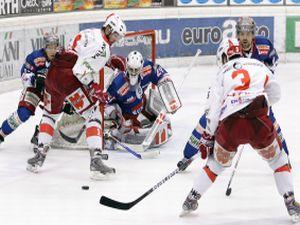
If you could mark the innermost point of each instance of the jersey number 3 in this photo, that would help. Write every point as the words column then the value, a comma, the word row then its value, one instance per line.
column 245, row 79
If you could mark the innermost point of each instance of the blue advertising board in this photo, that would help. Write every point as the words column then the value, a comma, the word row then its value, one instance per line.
column 182, row 37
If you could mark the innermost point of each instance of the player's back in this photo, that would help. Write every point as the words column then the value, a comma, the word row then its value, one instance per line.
column 243, row 80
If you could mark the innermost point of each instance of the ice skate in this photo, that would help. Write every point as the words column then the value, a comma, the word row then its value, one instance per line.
column 37, row 161
column 292, row 206
column 98, row 169
column 183, row 164
column 191, row 203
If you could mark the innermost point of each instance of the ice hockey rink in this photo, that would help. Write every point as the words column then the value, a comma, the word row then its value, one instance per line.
column 54, row 196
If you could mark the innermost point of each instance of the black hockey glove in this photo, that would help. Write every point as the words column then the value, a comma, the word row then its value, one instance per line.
column 40, row 79
column 68, row 109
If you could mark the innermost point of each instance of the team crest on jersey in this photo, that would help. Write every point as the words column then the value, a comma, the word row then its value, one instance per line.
column 263, row 49
column 124, row 89
column 146, row 71
column 139, row 92
column 39, row 61
column 131, row 99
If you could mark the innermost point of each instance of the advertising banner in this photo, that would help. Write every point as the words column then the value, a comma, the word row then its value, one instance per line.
column 9, row 7
column 292, row 34
column 230, row 2
column 182, row 37
column 256, row 2
column 11, row 54
column 115, row 4
column 36, row 6
column 201, row 2
column 72, row 5
column 292, row 2
column 16, row 45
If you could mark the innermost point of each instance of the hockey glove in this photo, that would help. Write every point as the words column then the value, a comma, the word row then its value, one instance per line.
column 40, row 79
column 206, row 145
column 97, row 93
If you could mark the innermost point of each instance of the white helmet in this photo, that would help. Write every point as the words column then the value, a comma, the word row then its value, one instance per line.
column 134, row 66
column 116, row 25
column 228, row 49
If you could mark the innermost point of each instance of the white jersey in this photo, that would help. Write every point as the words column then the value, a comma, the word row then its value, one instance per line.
column 237, row 84
column 93, row 51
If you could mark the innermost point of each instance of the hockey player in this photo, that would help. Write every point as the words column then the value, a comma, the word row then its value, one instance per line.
column 33, row 74
column 256, row 47
column 129, row 100
column 260, row 48
column 237, row 113
column 72, row 77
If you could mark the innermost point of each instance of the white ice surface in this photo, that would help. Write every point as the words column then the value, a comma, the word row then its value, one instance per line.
column 54, row 196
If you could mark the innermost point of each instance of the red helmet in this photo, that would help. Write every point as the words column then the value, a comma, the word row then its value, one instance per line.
column 228, row 49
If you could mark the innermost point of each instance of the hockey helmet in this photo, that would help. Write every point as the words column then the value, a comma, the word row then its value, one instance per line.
column 50, row 39
column 117, row 27
column 245, row 24
column 134, row 66
column 228, row 49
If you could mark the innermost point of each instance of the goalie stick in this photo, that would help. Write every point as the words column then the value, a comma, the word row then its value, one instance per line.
column 73, row 140
column 162, row 114
column 125, row 206
column 142, row 155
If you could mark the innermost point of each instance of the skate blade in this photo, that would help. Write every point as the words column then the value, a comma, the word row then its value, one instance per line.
column 96, row 175
column 295, row 218
column 32, row 169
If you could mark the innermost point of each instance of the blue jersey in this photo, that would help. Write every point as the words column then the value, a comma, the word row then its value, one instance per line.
column 264, row 51
column 130, row 98
column 35, row 61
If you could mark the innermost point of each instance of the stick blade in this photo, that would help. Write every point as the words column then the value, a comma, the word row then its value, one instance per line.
column 67, row 138
column 115, row 204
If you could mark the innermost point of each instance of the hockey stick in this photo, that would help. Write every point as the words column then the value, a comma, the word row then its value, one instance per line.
column 229, row 189
column 125, row 206
column 71, row 139
column 141, row 155
column 137, row 155
column 162, row 114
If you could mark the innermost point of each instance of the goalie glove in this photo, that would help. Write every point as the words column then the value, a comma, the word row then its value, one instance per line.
column 206, row 145
column 97, row 93
column 169, row 96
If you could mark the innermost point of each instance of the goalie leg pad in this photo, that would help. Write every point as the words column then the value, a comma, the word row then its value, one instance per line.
column 161, row 136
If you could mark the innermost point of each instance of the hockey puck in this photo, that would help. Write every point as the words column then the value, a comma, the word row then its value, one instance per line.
column 85, row 187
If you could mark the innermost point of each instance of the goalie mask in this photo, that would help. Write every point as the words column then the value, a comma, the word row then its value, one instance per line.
column 228, row 49
column 134, row 66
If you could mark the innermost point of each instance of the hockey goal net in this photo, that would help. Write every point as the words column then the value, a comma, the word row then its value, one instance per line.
column 71, row 125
